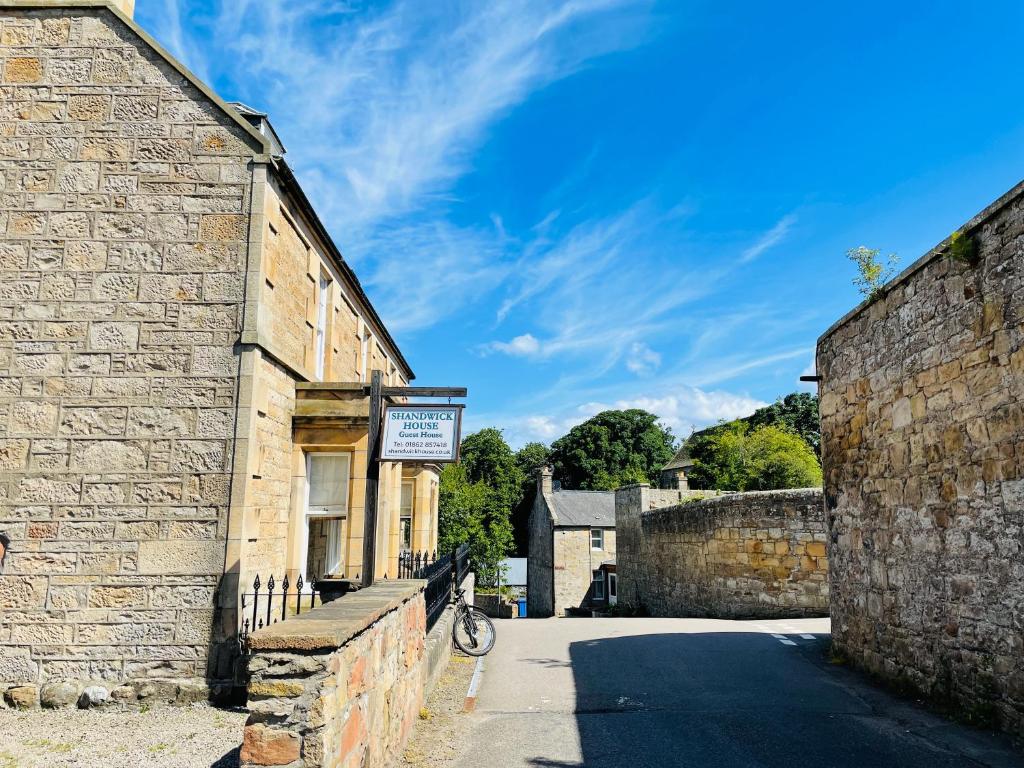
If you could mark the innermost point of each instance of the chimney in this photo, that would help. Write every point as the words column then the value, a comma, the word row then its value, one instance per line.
column 544, row 476
column 127, row 7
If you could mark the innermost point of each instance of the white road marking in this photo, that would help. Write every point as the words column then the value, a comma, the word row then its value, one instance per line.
column 808, row 637
column 474, row 684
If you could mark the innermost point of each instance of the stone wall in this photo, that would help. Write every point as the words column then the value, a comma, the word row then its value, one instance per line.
column 540, row 564
column 123, row 242
column 739, row 555
column 341, row 685
column 922, row 418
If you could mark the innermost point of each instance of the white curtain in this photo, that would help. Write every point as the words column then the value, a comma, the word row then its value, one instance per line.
column 333, row 564
column 328, row 481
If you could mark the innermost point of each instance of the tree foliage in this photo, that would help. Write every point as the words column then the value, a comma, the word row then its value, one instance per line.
column 528, row 458
column 797, row 412
column 476, row 500
column 737, row 457
column 612, row 449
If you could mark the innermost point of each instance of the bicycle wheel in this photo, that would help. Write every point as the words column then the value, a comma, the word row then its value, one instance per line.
column 473, row 632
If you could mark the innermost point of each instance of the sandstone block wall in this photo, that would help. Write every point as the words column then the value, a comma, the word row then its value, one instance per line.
column 922, row 418
column 123, row 237
column 575, row 563
column 739, row 555
column 341, row 686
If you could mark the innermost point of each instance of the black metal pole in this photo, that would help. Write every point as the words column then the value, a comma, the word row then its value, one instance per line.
column 372, row 480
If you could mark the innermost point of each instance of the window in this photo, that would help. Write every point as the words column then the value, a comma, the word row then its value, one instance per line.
column 596, row 538
column 405, row 525
column 327, row 482
column 321, row 327
column 612, row 587
column 598, row 585
column 364, row 356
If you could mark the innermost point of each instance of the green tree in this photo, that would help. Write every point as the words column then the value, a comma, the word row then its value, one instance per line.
column 476, row 500
column 797, row 412
column 528, row 458
column 488, row 459
column 611, row 449
column 735, row 457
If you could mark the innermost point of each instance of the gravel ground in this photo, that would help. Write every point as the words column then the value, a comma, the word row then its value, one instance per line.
column 439, row 736
column 199, row 736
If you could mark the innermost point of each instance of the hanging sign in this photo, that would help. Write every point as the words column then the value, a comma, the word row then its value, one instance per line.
column 421, row 433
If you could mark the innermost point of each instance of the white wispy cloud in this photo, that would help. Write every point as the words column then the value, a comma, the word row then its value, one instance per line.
column 521, row 346
column 383, row 109
column 390, row 105
column 642, row 360
column 688, row 409
column 769, row 239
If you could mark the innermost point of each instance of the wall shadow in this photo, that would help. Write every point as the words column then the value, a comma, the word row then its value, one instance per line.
column 737, row 700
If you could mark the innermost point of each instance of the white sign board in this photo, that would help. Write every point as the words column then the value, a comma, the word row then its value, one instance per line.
column 421, row 433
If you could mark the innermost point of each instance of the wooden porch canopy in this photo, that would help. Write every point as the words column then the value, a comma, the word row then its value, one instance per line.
column 355, row 404
column 347, row 403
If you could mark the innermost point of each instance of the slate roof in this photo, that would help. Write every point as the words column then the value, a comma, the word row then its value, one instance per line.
column 588, row 509
column 681, row 460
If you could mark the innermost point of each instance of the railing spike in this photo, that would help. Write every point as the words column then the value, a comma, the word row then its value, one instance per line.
column 284, row 598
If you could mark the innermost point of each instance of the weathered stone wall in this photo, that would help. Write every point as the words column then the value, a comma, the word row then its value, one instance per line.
column 341, row 685
column 922, row 417
column 540, row 563
column 123, row 241
column 438, row 645
column 739, row 555
column 575, row 563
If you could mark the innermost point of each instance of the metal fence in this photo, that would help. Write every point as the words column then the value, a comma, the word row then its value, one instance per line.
column 442, row 574
column 410, row 564
column 261, row 608
column 267, row 604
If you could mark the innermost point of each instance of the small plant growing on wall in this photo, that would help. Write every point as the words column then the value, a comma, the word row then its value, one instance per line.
column 963, row 248
column 872, row 273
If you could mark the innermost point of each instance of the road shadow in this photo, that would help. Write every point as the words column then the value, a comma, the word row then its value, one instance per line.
column 736, row 700
column 232, row 759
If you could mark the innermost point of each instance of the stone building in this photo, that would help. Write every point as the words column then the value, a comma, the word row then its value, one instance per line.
column 571, row 534
column 922, row 423
column 182, row 351
column 673, row 475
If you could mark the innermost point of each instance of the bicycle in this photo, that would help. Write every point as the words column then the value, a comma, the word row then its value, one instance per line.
column 473, row 631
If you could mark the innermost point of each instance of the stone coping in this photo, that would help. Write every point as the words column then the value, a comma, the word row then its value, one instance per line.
column 938, row 251
column 334, row 624
column 729, row 498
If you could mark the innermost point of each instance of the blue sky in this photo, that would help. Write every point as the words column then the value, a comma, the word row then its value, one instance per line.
column 570, row 205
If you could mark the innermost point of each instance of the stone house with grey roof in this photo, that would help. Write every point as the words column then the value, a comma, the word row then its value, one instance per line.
column 571, row 535
column 184, row 358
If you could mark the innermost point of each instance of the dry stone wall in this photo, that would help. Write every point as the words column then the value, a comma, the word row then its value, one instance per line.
column 739, row 555
column 922, row 417
column 342, row 685
column 123, row 236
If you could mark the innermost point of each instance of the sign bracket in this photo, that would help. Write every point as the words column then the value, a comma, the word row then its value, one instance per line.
column 374, row 453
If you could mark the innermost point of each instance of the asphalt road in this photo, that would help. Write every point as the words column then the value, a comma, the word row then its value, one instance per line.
column 695, row 692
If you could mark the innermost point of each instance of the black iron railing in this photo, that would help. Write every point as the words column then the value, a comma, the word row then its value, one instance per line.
column 442, row 575
column 268, row 604
column 410, row 564
column 265, row 606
